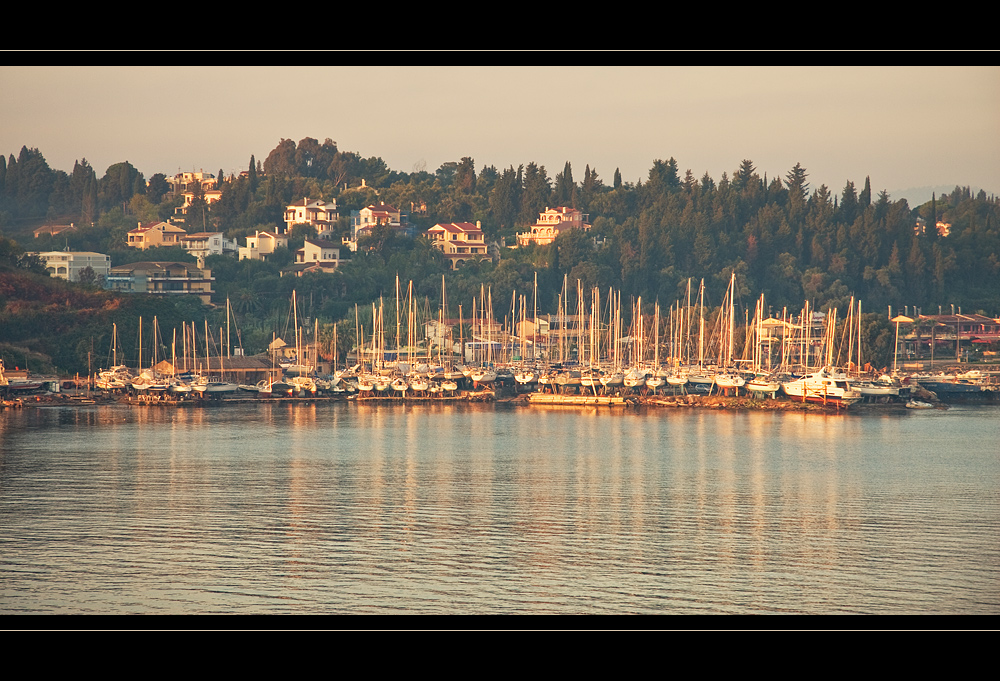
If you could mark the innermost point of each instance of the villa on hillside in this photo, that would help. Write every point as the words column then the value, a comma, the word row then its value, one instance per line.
column 68, row 264
column 155, row 234
column 163, row 279
column 552, row 223
column 368, row 218
column 459, row 241
column 261, row 245
column 322, row 215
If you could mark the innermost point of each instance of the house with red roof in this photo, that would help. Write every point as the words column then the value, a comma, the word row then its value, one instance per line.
column 459, row 241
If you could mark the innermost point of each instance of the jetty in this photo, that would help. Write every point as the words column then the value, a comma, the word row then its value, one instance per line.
column 579, row 400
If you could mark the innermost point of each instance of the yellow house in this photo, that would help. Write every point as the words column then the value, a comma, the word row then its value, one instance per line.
column 155, row 234
column 459, row 241
column 551, row 223
column 261, row 245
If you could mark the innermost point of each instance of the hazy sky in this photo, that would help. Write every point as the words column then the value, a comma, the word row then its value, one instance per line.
column 902, row 126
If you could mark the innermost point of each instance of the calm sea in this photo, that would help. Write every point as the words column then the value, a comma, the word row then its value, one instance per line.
column 465, row 509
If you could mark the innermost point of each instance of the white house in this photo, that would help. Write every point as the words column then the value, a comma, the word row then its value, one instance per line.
column 322, row 215
column 68, row 264
column 201, row 244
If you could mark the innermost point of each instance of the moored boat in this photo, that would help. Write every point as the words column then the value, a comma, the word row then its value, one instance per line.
column 822, row 387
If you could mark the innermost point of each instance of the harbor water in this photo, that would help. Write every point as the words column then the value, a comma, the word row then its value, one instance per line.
column 351, row 508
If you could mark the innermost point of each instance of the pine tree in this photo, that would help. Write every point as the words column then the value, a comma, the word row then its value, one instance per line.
column 618, row 179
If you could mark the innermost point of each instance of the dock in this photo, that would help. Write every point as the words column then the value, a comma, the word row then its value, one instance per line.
column 577, row 400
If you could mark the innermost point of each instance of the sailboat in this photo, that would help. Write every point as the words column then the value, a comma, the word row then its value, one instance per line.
column 727, row 378
column 209, row 387
column 763, row 383
column 118, row 377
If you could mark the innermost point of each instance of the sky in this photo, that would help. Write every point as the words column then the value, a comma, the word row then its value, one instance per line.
column 904, row 127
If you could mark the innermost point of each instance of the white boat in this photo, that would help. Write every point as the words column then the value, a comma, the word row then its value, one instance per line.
column 366, row 383
column 612, row 379
column 727, row 380
column 917, row 404
column 216, row 388
column 822, row 386
column 483, row 375
column 883, row 386
column 635, row 378
column 764, row 385
column 303, row 384
column 569, row 378
column 526, row 376
column 116, row 378
column 677, row 379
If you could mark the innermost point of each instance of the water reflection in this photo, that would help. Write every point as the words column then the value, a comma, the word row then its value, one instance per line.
column 319, row 507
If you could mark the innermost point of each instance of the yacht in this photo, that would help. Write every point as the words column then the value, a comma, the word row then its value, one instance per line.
column 822, row 386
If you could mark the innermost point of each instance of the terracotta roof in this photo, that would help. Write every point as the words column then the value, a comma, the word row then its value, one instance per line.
column 457, row 227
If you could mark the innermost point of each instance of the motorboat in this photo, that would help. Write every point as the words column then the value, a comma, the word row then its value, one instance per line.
column 822, row 386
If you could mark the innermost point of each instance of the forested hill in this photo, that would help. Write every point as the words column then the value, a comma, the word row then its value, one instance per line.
column 783, row 237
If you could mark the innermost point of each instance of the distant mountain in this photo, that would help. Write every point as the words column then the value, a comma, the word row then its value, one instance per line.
column 916, row 196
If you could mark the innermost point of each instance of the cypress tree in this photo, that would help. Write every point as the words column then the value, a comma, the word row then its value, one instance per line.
column 865, row 198
column 252, row 173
